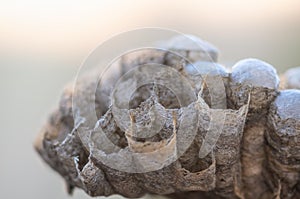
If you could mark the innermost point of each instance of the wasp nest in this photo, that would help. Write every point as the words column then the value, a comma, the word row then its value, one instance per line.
column 235, row 134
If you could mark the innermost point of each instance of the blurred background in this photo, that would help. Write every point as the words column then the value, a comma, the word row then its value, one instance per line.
column 42, row 45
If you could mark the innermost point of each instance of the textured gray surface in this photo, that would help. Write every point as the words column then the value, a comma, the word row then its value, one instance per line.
column 30, row 86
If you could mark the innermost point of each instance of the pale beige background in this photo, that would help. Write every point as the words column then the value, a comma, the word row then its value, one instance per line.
column 42, row 44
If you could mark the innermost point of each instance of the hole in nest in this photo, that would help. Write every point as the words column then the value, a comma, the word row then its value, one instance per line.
column 166, row 97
